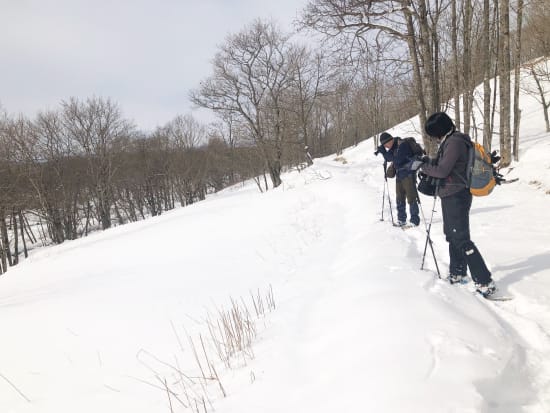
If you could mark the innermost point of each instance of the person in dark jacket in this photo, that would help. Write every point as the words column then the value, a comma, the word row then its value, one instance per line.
column 450, row 167
column 400, row 153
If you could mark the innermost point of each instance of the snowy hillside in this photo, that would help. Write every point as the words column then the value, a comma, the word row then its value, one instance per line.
column 97, row 324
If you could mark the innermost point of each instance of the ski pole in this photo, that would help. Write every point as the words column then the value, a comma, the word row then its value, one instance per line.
column 428, row 238
column 383, row 192
column 388, row 191
column 389, row 202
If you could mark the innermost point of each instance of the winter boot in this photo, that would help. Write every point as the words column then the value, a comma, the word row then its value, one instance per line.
column 401, row 213
column 415, row 218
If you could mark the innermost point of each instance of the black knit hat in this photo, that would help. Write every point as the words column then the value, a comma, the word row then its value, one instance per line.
column 439, row 124
column 385, row 137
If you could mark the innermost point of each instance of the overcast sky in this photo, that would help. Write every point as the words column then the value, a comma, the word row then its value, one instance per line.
column 144, row 54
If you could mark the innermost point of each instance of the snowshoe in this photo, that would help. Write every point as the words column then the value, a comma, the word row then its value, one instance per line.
column 487, row 290
column 458, row 279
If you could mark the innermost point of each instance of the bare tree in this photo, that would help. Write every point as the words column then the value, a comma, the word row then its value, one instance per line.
column 412, row 24
column 310, row 82
column 57, row 174
column 186, row 131
column 536, row 43
column 253, row 72
column 99, row 129
column 13, row 188
column 536, row 82
column 340, row 102
column 226, row 130
column 537, row 29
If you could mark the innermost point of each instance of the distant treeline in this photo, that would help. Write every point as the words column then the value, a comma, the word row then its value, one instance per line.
column 84, row 167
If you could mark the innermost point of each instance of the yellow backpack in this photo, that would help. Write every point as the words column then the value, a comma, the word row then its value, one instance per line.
column 481, row 172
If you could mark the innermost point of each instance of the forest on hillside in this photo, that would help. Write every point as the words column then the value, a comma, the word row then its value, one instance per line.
column 279, row 102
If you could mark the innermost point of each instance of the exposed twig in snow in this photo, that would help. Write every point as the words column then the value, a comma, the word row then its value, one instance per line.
column 15, row 388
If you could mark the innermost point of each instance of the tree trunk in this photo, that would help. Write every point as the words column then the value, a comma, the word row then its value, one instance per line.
column 265, row 182
column 88, row 217
column 504, row 83
column 274, row 168
column 103, row 210
column 517, row 122
column 3, row 264
column 28, row 229
column 22, row 223
column 496, row 32
column 545, row 104
column 467, row 95
column 437, row 90
column 487, row 129
column 6, row 252
column 15, row 238
column 517, row 68
column 417, row 78
column 456, row 78
column 426, row 54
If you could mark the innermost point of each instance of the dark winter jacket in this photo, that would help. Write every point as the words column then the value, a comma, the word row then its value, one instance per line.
column 400, row 154
column 450, row 164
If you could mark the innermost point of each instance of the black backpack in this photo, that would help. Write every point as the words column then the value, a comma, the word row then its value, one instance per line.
column 417, row 150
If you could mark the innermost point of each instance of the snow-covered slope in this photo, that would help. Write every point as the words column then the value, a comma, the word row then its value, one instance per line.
column 358, row 326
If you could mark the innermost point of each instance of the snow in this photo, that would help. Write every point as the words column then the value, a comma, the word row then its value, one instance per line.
column 357, row 325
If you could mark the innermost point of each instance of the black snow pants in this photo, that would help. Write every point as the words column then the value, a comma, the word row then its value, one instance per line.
column 456, row 226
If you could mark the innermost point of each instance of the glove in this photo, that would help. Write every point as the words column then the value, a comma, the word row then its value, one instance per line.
column 494, row 157
column 380, row 149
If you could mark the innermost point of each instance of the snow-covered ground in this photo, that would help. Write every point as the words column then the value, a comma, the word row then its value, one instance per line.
column 358, row 327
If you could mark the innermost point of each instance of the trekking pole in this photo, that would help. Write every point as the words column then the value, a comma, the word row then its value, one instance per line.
column 428, row 238
column 384, row 192
column 389, row 202
column 388, row 191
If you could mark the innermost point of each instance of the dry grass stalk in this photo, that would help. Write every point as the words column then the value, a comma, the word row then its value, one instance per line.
column 197, row 360
column 15, row 388
column 168, row 393
column 219, row 381
column 206, row 356
column 231, row 334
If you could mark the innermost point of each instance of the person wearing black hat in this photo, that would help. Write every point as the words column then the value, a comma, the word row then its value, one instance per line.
column 450, row 168
column 393, row 150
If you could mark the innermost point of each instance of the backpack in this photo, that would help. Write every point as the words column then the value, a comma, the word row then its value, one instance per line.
column 480, row 172
column 417, row 150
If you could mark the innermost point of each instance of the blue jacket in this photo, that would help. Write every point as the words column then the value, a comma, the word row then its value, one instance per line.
column 400, row 154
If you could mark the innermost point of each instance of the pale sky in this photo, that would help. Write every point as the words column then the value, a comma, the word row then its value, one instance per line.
column 144, row 54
